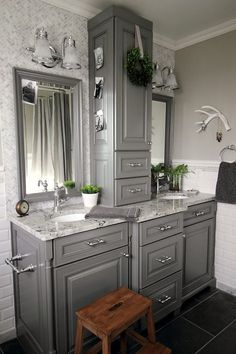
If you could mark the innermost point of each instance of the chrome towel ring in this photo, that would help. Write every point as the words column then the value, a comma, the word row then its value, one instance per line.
column 229, row 147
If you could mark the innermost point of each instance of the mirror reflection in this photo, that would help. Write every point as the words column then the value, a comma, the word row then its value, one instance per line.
column 49, row 122
column 48, row 139
column 158, row 132
column 161, row 127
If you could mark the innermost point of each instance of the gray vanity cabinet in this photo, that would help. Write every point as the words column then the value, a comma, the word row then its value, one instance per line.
column 199, row 247
column 69, row 273
column 78, row 284
column 120, row 151
column 133, row 111
column 157, row 261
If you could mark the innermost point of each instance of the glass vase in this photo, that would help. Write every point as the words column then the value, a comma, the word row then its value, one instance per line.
column 175, row 183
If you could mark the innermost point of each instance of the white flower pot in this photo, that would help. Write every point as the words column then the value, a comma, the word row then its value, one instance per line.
column 90, row 200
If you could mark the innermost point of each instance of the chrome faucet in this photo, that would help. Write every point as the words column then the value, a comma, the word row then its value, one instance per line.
column 44, row 184
column 58, row 200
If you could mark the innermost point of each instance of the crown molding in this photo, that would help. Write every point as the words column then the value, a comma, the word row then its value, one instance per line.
column 79, row 7
column 163, row 41
column 75, row 6
column 211, row 32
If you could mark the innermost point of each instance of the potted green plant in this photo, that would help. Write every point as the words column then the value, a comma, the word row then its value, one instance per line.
column 69, row 185
column 90, row 195
column 175, row 176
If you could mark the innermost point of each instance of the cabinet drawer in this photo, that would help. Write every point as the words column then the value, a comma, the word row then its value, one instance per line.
column 157, row 229
column 199, row 212
column 132, row 190
column 132, row 164
column 160, row 259
column 166, row 295
column 89, row 243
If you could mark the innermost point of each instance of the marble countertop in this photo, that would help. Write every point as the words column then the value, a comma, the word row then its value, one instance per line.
column 159, row 207
column 40, row 223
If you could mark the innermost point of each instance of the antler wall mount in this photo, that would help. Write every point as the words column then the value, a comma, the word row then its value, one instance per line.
column 212, row 113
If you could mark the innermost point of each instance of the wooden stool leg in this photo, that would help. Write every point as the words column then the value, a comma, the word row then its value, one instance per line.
column 123, row 343
column 79, row 337
column 106, row 345
column 150, row 326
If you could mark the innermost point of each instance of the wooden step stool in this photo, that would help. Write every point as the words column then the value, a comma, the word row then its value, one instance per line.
column 111, row 316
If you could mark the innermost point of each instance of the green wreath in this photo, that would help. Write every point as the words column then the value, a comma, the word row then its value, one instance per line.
column 139, row 69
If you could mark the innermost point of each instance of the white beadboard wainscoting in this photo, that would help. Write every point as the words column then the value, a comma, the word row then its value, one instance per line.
column 203, row 177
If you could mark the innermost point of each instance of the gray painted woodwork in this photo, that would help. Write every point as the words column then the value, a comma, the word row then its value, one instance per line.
column 76, row 247
column 80, row 283
column 200, row 212
column 34, row 294
column 132, row 190
column 67, row 275
column 133, row 111
column 166, row 295
column 160, row 259
column 157, row 229
column 199, row 248
column 76, row 84
column 126, row 107
column 128, row 164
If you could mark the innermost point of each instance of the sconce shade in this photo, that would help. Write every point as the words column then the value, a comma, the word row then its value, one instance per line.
column 70, row 56
column 42, row 52
column 171, row 82
column 158, row 80
column 45, row 54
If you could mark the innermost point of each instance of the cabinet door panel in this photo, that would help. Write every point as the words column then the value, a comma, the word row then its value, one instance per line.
column 160, row 259
column 79, row 283
column 199, row 255
column 133, row 109
column 166, row 295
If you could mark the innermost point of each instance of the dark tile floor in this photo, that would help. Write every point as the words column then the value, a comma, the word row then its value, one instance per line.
column 206, row 325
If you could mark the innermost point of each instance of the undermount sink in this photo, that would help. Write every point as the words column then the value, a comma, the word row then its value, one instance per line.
column 174, row 196
column 69, row 217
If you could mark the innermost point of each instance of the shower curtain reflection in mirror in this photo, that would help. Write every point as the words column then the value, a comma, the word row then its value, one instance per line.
column 48, row 139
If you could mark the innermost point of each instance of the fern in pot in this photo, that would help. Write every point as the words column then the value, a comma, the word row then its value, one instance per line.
column 90, row 195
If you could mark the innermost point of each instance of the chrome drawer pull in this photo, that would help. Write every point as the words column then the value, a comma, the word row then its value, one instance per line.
column 19, row 257
column 135, row 164
column 135, row 190
column 95, row 242
column 165, row 227
column 199, row 213
column 164, row 299
column 126, row 255
column 163, row 259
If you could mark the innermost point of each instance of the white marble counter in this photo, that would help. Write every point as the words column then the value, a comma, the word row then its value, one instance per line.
column 159, row 207
column 40, row 223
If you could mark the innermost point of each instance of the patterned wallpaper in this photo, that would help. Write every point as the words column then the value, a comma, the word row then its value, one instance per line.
column 19, row 20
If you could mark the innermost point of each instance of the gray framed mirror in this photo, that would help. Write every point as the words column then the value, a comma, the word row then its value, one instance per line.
column 161, row 129
column 49, row 118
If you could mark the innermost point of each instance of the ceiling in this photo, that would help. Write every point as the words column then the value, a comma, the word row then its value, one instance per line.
column 176, row 23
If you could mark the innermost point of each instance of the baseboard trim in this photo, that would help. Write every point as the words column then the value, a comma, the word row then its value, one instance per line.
column 226, row 288
column 8, row 335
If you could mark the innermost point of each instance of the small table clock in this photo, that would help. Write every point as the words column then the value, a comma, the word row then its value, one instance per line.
column 22, row 207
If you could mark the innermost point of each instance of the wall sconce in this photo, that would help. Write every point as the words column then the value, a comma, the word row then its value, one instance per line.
column 43, row 53
column 164, row 78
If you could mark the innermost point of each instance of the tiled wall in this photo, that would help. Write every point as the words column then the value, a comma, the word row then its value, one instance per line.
column 7, row 324
column 204, row 178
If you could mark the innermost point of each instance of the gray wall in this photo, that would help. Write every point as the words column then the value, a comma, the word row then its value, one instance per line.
column 207, row 76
